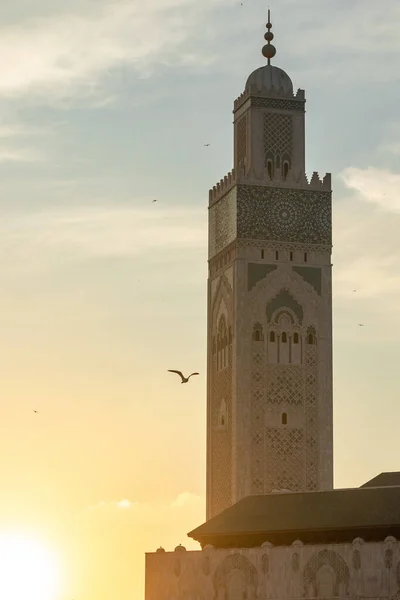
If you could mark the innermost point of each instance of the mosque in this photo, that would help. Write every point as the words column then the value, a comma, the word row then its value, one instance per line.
column 275, row 526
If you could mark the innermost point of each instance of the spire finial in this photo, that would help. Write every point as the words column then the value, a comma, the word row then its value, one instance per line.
column 269, row 50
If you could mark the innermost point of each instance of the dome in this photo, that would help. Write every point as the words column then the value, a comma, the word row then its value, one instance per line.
column 271, row 79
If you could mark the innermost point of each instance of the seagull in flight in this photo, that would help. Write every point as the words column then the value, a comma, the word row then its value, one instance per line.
column 35, row 411
column 361, row 324
column 207, row 144
column 184, row 379
column 155, row 200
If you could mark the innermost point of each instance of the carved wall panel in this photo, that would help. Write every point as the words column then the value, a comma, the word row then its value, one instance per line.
column 222, row 223
column 288, row 215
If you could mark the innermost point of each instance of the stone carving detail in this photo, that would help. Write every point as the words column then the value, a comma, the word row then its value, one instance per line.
column 356, row 560
column 331, row 559
column 205, row 567
column 222, row 223
column 285, row 451
column 295, row 562
column 236, row 564
column 257, row 418
column 388, row 560
column 242, row 140
column 278, row 135
column 311, row 394
column 277, row 103
column 285, row 384
column 288, row 215
column 264, row 564
column 221, row 395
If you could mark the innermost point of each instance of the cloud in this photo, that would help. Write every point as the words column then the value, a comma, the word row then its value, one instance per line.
column 59, row 56
column 366, row 225
column 378, row 186
column 19, row 155
column 52, row 237
column 184, row 499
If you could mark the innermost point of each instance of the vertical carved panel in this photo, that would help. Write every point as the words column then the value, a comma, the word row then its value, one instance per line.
column 241, row 140
column 220, row 402
column 278, row 138
column 257, row 411
column 312, row 438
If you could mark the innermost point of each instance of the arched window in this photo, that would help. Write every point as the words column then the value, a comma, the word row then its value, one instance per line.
column 222, row 344
column 305, row 257
column 222, row 421
column 284, row 419
column 284, row 337
column 291, row 256
column 296, row 338
column 310, row 339
column 272, row 336
column 262, row 253
column 269, row 168
column 258, row 335
column 285, row 169
column 276, row 255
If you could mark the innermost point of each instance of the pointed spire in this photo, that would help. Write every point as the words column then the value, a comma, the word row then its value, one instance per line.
column 269, row 50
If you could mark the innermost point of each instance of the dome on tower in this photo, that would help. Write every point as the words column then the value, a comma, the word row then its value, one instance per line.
column 270, row 79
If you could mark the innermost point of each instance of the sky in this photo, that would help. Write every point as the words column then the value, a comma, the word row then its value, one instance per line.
column 104, row 106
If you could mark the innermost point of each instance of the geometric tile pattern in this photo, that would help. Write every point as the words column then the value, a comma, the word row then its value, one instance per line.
column 278, row 135
column 287, row 215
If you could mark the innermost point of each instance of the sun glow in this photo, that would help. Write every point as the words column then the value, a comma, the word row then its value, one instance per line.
column 28, row 570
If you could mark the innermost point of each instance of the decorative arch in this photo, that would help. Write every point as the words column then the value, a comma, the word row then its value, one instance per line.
column 334, row 562
column 258, row 332
column 311, row 336
column 282, row 300
column 222, row 343
column 232, row 565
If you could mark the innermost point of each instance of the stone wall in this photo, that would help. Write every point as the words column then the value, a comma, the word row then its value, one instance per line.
column 359, row 569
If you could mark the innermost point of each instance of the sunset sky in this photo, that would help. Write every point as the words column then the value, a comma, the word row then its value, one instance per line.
column 106, row 105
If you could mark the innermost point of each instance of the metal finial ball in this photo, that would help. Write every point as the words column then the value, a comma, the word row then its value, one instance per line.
column 269, row 51
column 269, row 36
column 268, row 25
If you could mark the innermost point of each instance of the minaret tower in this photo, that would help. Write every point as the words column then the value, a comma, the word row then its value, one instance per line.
column 269, row 390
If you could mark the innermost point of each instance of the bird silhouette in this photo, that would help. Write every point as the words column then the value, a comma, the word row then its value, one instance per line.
column 207, row 144
column 361, row 324
column 36, row 411
column 155, row 200
column 184, row 379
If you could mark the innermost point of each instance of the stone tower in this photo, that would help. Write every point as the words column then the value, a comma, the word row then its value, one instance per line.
column 269, row 389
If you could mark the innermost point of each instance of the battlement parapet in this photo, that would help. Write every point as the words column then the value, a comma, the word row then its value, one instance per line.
column 290, row 180
column 223, row 186
column 270, row 94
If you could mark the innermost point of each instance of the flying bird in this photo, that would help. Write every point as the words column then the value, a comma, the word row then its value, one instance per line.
column 35, row 411
column 184, row 379
column 207, row 144
column 361, row 324
column 155, row 200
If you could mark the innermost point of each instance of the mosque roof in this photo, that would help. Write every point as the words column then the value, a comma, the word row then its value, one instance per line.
column 270, row 79
column 384, row 479
column 335, row 516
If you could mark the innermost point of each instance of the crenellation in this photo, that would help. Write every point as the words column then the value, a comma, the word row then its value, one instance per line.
column 222, row 187
column 255, row 92
column 291, row 180
column 358, row 569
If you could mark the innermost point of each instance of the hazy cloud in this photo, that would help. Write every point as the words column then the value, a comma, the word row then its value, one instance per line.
column 70, row 235
column 366, row 226
column 378, row 186
column 58, row 56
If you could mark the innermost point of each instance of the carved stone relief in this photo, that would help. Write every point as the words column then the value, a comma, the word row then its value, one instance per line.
column 287, row 215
